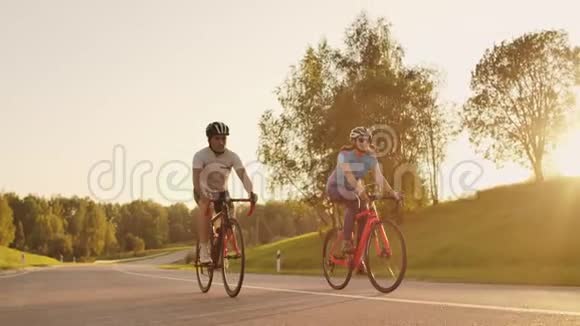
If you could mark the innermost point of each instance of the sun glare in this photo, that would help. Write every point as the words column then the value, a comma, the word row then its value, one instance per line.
column 567, row 155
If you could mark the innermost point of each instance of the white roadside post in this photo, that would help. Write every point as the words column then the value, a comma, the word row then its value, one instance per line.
column 278, row 261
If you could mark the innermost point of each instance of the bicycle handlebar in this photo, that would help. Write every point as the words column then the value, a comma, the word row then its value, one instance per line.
column 240, row 200
column 378, row 197
column 246, row 200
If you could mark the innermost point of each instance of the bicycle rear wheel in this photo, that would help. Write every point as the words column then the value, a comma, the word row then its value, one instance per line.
column 203, row 272
column 386, row 256
column 337, row 270
column 233, row 258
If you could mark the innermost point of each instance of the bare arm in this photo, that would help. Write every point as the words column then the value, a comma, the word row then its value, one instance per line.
column 245, row 180
column 381, row 181
column 196, row 181
column 350, row 179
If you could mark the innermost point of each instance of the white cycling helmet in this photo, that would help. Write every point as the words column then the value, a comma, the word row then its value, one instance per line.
column 360, row 132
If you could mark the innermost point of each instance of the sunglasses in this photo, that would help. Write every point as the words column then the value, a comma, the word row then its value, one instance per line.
column 363, row 140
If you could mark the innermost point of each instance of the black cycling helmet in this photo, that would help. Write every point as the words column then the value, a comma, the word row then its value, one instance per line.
column 217, row 128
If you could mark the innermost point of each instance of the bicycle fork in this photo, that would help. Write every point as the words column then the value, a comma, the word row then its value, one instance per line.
column 385, row 251
column 229, row 236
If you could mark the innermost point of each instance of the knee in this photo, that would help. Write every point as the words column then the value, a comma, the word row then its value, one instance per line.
column 204, row 205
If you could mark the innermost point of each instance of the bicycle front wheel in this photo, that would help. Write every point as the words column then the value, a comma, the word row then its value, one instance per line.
column 233, row 258
column 386, row 256
column 203, row 272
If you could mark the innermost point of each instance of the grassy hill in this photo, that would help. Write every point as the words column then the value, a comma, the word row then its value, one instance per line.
column 525, row 233
column 11, row 258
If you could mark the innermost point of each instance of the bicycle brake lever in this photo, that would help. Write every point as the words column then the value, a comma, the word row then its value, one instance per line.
column 252, row 208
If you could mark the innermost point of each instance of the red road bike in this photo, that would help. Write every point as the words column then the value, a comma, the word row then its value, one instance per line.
column 380, row 252
column 227, row 248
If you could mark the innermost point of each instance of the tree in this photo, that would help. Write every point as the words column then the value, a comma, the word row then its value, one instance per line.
column 76, row 226
column 60, row 244
column 31, row 207
column 112, row 211
column 7, row 228
column 521, row 94
column 146, row 220
column 179, row 223
column 94, row 232
column 111, row 243
column 16, row 204
column 437, row 132
column 48, row 235
column 330, row 92
column 64, row 208
column 134, row 243
column 291, row 143
column 156, row 226
column 20, row 239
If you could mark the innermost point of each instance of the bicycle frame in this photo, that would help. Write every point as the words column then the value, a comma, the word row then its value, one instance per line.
column 372, row 219
column 226, row 234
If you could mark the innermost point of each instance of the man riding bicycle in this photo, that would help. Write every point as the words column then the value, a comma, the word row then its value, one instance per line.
column 211, row 169
column 345, row 186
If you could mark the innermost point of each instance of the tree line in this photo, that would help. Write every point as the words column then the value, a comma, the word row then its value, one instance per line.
column 81, row 228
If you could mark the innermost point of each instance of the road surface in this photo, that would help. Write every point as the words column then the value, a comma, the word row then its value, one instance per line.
column 141, row 294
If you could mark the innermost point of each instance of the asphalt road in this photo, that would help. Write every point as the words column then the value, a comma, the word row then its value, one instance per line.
column 141, row 294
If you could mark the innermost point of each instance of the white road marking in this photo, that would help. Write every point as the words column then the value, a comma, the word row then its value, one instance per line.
column 17, row 274
column 384, row 299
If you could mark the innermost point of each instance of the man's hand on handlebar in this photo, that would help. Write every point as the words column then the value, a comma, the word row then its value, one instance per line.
column 253, row 197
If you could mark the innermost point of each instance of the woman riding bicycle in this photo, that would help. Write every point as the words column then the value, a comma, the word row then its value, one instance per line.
column 345, row 185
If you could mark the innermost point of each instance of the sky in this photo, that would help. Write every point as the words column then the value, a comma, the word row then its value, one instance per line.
column 85, row 84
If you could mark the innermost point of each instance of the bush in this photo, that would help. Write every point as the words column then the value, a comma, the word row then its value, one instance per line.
column 134, row 243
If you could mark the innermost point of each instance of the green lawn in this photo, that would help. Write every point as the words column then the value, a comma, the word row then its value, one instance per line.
column 11, row 259
column 519, row 234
